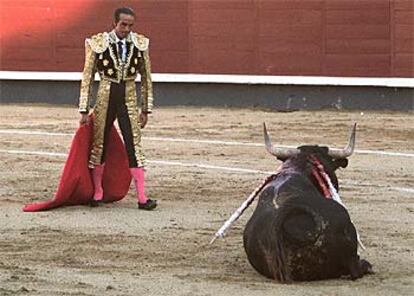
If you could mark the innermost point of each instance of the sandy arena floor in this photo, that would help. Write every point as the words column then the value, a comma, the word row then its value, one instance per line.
column 118, row 250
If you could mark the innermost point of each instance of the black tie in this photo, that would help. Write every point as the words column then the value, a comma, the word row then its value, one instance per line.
column 120, row 50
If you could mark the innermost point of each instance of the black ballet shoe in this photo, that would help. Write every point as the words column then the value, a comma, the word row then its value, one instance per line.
column 148, row 206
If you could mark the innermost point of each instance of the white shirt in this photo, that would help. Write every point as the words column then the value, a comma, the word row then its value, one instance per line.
column 124, row 48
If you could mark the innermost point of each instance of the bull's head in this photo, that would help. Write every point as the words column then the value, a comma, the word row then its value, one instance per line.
column 283, row 153
column 331, row 158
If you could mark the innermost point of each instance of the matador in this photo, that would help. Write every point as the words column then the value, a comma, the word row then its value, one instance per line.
column 118, row 56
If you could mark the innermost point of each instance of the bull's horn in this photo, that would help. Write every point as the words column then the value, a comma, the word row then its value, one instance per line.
column 279, row 152
column 348, row 150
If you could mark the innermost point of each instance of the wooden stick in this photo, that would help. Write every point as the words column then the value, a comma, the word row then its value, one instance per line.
column 236, row 215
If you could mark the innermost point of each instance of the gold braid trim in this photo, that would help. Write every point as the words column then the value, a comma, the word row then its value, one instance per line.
column 99, row 42
column 140, row 41
column 128, row 63
column 133, row 114
column 87, row 78
column 147, row 96
column 117, row 65
column 100, row 111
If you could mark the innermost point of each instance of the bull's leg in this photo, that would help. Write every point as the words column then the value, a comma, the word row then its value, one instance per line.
column 354, row 269
column 359, row 267
column 365, row 267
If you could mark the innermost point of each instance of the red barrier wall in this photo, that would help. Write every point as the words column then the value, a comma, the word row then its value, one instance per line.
column 372, row 38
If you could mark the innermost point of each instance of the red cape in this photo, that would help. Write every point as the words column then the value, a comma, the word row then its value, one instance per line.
column 75, row 186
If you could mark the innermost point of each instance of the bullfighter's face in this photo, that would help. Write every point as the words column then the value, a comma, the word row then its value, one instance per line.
column 124, row 25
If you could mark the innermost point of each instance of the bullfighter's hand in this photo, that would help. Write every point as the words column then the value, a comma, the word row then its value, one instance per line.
column 143, row 119
column 84, row 119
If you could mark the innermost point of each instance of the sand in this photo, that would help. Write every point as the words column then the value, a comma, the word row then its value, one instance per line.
column 119, row 250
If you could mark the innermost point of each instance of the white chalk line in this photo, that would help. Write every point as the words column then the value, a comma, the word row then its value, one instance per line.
column 213, row 142
column 159, row 162
column 206, row 166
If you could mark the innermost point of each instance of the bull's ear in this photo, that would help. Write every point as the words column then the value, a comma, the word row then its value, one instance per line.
column 343, row 163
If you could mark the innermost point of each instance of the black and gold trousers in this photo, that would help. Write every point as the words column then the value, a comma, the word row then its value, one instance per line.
column 117, row 101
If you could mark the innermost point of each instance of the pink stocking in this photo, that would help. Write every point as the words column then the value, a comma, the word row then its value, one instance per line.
column 139, row 181
column 97, row 173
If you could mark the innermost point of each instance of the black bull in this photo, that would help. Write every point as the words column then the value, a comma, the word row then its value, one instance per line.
column 296, row 233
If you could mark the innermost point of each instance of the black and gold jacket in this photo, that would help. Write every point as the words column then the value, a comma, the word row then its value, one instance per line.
column 101, row 55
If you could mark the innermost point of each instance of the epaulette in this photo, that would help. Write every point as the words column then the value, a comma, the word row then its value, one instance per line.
column 99, row 42
column 140, row 41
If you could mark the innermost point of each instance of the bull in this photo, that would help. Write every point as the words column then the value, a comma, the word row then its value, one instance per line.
column 298, row 232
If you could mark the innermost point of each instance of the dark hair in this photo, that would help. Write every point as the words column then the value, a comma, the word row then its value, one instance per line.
column 124, row 10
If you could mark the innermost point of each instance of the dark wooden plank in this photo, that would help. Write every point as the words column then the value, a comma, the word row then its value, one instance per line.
column 352, row 31
column 297, row 16
column 289, row 63
column 290, row 4
column 357, row 4
column 222, row 62
column 354, row 64
column 405, row 5
column 404, row 46
column 364, row 46
column 358, row 16
column 291, row 32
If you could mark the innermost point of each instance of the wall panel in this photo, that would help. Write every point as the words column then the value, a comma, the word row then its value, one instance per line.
column 258, row 37
column 403, row 37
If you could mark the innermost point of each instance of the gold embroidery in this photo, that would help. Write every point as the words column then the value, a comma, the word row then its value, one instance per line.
column 140, row 41
column 133, row 113
column 88, row 76
column 116, row 63
column 99, row 42
column 100, row 112
column 128, row 61
column 147, row 97
column 108, row 78
column 122, row 71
